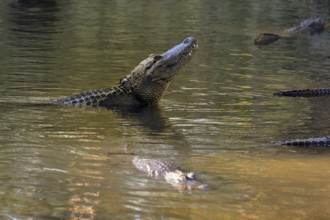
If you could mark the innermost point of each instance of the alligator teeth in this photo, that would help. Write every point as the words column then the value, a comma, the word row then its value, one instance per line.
column 190, row 54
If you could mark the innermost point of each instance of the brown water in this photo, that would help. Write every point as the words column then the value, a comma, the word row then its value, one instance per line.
column 61, row 162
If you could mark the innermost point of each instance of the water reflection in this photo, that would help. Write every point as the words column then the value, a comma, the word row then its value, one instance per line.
column 32, row 26
column 30, row 31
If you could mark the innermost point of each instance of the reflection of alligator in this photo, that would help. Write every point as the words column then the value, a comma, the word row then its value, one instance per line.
column 319, row 141
column 145, row 85
column 314, row 25
column 169, row 171
column 305, row 92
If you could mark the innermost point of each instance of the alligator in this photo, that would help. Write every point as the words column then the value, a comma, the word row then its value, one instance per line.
column 146, row 83
column 304, row 92
column 319, row 141
column 313, row 25
column 170, row 172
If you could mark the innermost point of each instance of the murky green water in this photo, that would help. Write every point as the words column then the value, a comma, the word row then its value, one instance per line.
column 61, row 162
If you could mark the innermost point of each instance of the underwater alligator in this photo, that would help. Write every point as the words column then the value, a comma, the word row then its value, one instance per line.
column 168, row 171
column 304, row 92
column 314, row 25
column 146, row 83
column 318, row 141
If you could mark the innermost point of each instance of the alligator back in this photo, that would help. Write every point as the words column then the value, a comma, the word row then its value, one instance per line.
column 154, row 167
column 100, row 97
column 170, row 172
column 304, row 92
column 319, row 141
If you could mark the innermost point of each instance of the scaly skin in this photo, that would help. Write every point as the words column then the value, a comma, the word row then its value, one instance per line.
column 168, row 171
column 304, row 92
column 319, row 141
column 145, row 85
column 312, row 25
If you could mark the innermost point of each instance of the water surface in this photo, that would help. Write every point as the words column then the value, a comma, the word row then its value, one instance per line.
column 219, row 120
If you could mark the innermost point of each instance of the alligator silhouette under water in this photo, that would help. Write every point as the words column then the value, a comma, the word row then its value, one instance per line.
column 314, row 25
column 145, row 85
column 304, row 92
column 168, row 171
column 318, row 141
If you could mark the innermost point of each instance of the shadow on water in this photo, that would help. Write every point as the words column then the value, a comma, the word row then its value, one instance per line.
column 156, row 130
column 151, row 118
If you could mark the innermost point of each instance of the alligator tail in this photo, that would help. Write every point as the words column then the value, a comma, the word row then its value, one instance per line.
column 305, row 92
column 89, row 98
column 319, row 141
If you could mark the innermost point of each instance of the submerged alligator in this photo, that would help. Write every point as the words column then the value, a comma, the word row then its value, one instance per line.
column 304, row 92
column 145, row 85
column 319, row 141
column 168, row 171
column 314, row 25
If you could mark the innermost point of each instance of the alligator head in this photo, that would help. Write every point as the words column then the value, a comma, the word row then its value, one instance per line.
column 182, row 181
column 312, row 26
column 149, row 80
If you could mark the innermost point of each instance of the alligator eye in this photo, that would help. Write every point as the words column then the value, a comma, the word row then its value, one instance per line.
column 186, row 41
column 157, row 57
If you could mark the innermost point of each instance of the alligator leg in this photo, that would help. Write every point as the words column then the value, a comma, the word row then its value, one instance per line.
column 305, row 92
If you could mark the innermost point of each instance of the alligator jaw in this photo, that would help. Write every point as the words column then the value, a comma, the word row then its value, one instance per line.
column 167, row 64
